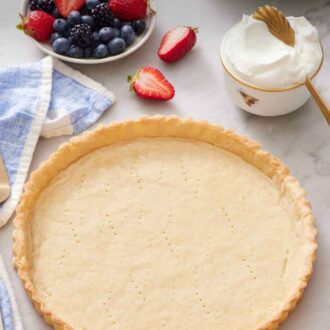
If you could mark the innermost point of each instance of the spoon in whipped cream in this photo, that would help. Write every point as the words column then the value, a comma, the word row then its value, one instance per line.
column 280, row 27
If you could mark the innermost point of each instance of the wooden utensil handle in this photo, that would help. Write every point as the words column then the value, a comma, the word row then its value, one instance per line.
column 318, row 99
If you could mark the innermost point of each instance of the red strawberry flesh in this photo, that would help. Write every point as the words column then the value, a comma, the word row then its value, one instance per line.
column 129, row 10
column 66, row 6
column 150, row 83
column 177, row 43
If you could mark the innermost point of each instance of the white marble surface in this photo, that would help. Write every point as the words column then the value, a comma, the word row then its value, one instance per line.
column 301, row 139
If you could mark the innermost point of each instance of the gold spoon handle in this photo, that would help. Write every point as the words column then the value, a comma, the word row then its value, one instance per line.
column 318, row 99
column 4, row 182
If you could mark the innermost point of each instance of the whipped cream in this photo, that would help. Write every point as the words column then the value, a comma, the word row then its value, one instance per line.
column 251, row 53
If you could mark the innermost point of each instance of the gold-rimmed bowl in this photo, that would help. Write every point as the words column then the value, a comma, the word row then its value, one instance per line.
column 267, row 101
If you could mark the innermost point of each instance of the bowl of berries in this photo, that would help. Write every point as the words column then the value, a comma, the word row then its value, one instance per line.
column 88, row 31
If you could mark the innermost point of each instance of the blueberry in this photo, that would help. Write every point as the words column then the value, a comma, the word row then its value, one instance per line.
column 127, row 33
column 129, row 40
column 126, row 30
column 87, row 52
column 116, row 46
column 139, row 26
column 76, row 51
column 54, row 36
column 91, row 4
column 55, row 13
column 117, row 33
column 74, row 18
column 126, row 23
column 96, row 39
column 107, row 34
column 100, row 51
column 95, row 36
column 116, row 23
column 61, row 45
column 60, row 25
column 89, row 20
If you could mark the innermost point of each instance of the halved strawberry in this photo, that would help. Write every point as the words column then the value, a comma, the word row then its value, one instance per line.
column 66, row 6
column 149, row 83
column 176, row 43
column 38, row 25
column 129, row 10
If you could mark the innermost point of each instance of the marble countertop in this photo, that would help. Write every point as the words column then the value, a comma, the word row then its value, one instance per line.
column 300, row 139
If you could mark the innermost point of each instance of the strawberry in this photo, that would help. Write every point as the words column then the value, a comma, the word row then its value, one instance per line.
column 38, row 24
column 129, row 10
column 176, row 43
column 66, row 6
column 149, row 83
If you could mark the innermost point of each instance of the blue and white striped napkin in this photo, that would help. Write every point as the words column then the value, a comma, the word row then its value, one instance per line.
column 45, row 99
column 10, row 317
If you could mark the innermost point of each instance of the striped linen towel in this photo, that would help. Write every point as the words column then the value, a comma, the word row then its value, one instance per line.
column 45, row 99
column 9, row 315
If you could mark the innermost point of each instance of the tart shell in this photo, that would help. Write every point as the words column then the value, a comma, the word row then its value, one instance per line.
column 158, row 126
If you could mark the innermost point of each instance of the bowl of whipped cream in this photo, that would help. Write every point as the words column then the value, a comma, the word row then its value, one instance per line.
column 263, row 74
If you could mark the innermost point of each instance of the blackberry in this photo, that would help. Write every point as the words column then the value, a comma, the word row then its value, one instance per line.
column 44, row 5
column 81, row 35
column 102, row 15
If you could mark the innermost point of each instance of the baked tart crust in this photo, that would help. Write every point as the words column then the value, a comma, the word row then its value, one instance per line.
column 162, row 127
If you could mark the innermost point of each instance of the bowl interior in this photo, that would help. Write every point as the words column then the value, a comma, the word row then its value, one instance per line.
column 150, row 20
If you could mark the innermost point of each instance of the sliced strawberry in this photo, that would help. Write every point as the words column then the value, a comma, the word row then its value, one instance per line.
column 176, row 43
column 38, row 24
column 149, row 83
column 66, row 6
column 129, row 10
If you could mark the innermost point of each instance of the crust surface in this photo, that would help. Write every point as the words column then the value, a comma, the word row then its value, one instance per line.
column 291, row 195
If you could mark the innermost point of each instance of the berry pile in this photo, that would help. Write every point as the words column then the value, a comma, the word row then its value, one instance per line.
column 87, row 28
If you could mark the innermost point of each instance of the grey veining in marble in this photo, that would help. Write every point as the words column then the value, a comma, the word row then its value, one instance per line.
column 300, row 139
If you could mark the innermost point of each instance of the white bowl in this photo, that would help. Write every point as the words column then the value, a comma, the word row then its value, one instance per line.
column 265, row 101
column 140, row 40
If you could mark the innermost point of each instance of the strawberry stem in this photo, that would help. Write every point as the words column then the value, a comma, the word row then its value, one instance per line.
column 131, row 80
column 20, row 26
